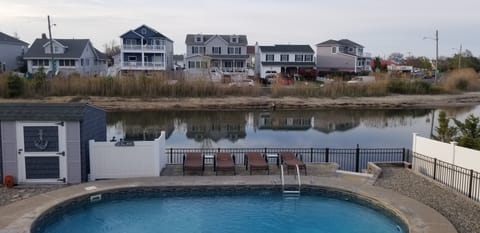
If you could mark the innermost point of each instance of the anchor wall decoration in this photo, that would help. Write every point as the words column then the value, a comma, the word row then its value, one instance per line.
column 40, row 143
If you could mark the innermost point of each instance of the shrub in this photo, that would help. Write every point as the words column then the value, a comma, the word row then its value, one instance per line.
column 15, row 85
column 461, row 80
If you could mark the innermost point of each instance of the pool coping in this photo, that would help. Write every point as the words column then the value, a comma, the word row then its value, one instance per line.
column 19, row 216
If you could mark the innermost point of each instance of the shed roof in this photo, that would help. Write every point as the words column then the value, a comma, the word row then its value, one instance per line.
column 43, row 111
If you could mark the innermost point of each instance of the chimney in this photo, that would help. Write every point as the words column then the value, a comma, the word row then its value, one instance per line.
column 44, row 36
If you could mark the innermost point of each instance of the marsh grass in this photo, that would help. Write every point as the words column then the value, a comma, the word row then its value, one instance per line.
column 461, row 80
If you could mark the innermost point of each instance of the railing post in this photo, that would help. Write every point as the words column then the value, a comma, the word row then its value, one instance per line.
column 470, row 188
column 435, row 169
column 311, row 155
column 171, row 155
column 404, row 155
column 327, row 152
column 265, row 151
column 357, row 159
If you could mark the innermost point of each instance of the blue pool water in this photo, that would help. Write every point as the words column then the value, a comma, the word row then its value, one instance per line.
column 216, row 212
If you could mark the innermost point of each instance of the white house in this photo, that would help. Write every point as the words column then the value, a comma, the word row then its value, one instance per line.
column 225, row 53
column 285, row 59
column 11, row 51
column 70, row 56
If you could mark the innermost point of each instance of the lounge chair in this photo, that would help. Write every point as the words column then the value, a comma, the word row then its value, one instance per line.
column 193, row 161
column 291, row 161
column 255, row 161
column 224, row 162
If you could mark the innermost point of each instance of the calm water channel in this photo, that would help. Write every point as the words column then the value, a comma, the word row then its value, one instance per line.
column 334, row 128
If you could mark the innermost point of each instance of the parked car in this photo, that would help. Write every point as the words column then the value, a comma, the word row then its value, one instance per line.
column 270, row 76
column 242, row 83
column 362, row 79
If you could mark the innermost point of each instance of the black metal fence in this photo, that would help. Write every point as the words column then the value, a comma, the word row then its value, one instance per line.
column 465, row 181
column 354, row 160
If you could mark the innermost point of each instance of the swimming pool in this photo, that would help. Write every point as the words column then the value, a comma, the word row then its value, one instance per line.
column 223, row 210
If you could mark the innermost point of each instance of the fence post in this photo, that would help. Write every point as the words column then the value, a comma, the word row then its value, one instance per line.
column 311, row 155
column 470, row 188
column 435, row 169
column 327, row 152
column 357, row 159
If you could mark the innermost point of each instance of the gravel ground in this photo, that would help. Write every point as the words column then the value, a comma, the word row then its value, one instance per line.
column 462, row 212
column 9, row 195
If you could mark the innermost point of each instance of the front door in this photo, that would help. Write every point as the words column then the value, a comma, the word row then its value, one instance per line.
column 41, row 152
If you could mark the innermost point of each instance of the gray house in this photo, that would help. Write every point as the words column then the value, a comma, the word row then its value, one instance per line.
column 145, row 49
column 70, row 55
column 342, row 55
column 48, row 143
column 224, row 53
column 11, row 51
column 284, row 59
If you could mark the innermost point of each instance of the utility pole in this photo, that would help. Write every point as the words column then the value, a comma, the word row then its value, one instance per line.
column 436, row 59
column 51, row 46
column 460, row 58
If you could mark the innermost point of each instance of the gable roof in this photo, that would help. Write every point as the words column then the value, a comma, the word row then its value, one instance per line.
column 43, row 111
column 74, row 48
column 190, row 39
column 287, row 49
column 6, row 39
column 154, row 33
column 344, row 42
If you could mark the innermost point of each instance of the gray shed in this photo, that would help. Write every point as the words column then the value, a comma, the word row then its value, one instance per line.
column 48, row 143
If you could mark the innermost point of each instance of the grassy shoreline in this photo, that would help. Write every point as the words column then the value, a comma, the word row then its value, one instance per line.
column 265, row 103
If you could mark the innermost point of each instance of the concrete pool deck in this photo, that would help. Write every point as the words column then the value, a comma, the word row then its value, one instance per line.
column 18, row 217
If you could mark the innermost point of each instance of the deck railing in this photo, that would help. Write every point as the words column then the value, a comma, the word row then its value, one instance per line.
column 465, row 181
column 354, row 160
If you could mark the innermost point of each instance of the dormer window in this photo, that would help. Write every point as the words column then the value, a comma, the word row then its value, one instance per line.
column 234, row 39
column 144, row 31
column 198, row 38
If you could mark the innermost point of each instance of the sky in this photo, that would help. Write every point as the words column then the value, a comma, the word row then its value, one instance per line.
column 383, row 27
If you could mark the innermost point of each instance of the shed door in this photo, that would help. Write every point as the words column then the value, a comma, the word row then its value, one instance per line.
column 41, row 152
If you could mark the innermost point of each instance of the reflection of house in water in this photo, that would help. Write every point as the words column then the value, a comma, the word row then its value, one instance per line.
column 147, row 133
column 216, row 126
column 284, row 121
column 216, row 131
column 330, row 121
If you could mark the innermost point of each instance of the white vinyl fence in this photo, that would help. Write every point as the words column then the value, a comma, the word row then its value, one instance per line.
column 110, row 160
column 447, row 152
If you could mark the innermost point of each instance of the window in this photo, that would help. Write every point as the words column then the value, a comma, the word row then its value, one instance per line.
column 298, row 57
column 198, row 39
column 144, row 31
column 191, row 64
column 194, row 50
column 334, row 49
column 239, row 64
column 55, row 49
column 34, row 62
column 269, row 57
column 230, row 50
column 87, row 62
column 61, row 62
column 81, row 61
column 284, row 57
column 234, row 40
column 46, row 62
column 130, row 58
column 217, row 50
column 308, row 57
column 238, row 50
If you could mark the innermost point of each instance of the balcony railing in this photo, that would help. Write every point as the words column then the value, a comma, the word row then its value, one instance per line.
column 143, row 66
column 147, row 47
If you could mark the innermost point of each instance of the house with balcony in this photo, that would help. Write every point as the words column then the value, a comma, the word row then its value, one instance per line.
column 283, row 59
column 342, row 56
column 69, row 55
column 11, row 52
column 222, row 53
column 145, row 49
